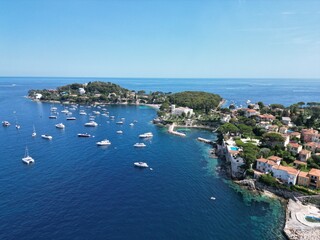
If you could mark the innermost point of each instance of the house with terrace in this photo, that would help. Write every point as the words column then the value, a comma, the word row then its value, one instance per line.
column 307, row 134
column 304, row 155
column 312, row 146
column 232, row 153
column 310, row 179
column 294, row 148
column 286, row 174
column 266, row 165
column 265, row 118
column 250, row 112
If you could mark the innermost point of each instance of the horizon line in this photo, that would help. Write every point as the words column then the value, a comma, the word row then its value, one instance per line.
column 309, row 78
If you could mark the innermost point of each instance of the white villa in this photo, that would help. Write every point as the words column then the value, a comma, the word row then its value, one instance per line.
column 181, row 110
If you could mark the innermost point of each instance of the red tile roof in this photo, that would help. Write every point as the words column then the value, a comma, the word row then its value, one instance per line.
column 314, row 172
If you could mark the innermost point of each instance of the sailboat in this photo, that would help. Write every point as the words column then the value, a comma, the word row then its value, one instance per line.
column 34, row 132
column 27, row 159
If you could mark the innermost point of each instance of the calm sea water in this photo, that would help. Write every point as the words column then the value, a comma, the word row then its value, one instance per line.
column 77, row 190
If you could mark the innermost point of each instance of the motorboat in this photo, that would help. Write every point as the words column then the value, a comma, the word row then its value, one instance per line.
column 65, row 111
column 82, row 112
column 45, row 136
column 139, row 145
column 119, row 132
column 91, row 124
column 60, row 125
column 131, row 124
column 18, row 126
column 96, row 112
column 34, row 132
column 146, row 135
column 119, row 122
column 27, row 159
column 53, row 117
column 71, row 118
column 103, row 143
column 5, row 123
column 84, row 135
column 140, row 164
column 112, row 117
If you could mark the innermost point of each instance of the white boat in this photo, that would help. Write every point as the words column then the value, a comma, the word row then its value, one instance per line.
column 27, row 159
column 60, row 125
column 96, row 112
column 5, row 123
column 53, row 109
column 84, row 135
column 45, row 136
column 141, row 164
column 105, row 115
column 103, row 143
column 18, row 126
column 112, row 117
column 131, row 124
column 120, row 122
column 91, row 124
column 53, row 117
column 82, row 112
column 34, row 132
column 71, row 118
column 146, row 135
column 119, row 132
column 139, row 145
column 65, row 111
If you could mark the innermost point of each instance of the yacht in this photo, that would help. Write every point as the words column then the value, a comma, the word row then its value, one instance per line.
column 112, row 117
column 53, row 117
column 84, row 135
column 18, row 126
column 131, row 124
column 119, row 132
column 91, row 124
column 146, row 135
column 6, row 124
column 139, row 145
column 103, row 143
column 27, row 159
column 82, row 112
column 141, row 164
column 65, row 111
column 45, row 136
column 71, row 118
column 96, row 112
column 60, row 125
column 120, row 122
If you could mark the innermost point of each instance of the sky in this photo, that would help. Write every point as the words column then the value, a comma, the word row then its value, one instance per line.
column 160, row 38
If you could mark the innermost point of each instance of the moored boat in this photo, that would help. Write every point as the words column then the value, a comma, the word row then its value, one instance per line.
column 119, row 132
column 45, row 136
column 146, row 135
column 140, row 164
column 5, row 123
column 60, row 126
column 84, row 135
column 103, row 142
column 139, row 145
column 27, row 159
column 91, row 124
column 71, row 118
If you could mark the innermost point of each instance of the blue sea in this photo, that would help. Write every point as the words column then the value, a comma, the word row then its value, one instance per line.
column 77, row 190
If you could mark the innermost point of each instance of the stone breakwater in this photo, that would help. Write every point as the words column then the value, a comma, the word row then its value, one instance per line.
column 297, row 227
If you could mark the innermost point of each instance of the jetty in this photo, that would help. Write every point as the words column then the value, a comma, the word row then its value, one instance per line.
column 200, row 139
column 171, row 131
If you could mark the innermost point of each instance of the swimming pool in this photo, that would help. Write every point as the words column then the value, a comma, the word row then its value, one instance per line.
column 312, row 219
column 234, row 148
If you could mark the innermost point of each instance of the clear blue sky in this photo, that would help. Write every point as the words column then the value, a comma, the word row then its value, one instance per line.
column 160, row 38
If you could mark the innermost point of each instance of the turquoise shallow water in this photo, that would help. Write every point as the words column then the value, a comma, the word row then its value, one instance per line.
column 77, row 190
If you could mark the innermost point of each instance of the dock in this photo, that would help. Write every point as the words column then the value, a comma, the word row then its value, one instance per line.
column 171, row 131
column 200, row 139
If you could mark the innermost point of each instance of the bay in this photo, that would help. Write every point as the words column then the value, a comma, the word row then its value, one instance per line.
column 76, row 190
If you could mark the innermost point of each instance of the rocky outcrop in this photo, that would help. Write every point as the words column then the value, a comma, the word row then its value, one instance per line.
column 249, row 183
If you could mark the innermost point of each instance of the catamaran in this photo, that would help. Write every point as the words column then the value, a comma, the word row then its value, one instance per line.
column 27, row 159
